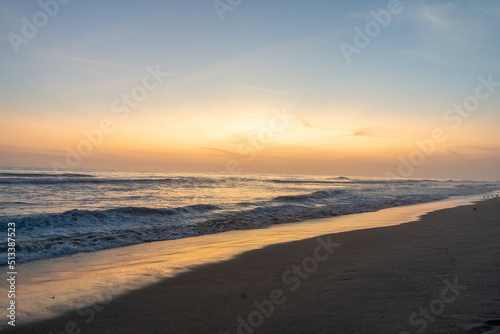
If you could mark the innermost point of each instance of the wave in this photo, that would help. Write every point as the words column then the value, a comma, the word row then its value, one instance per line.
column 196, row 208
column 16, row 203
column 264, row 216
column 57, row 180
column 45, row 235
column 37, row 180
column 317, row 195
column 304, row 181
column 48, row 178
column 74, row 231
column 44, row 175
column 51, row 246
column 345, row 180
column 42, row 236
column 92, row 220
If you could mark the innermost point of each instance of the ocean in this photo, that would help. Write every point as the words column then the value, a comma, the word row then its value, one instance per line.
column 63, row 213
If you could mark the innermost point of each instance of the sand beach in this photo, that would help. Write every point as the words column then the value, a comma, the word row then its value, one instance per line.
column 436, row 275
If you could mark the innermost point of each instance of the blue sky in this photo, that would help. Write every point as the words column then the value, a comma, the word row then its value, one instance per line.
column 228, row 75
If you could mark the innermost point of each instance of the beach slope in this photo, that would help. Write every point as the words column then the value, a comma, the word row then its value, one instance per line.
column 438, row 275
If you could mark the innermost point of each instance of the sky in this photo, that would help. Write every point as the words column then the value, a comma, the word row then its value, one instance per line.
column 365, row 88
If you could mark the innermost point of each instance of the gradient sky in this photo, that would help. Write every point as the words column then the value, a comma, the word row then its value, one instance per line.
column 228, row 78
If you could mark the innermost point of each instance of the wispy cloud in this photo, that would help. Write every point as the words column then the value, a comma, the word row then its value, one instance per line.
column 374, row 132
column 488, row 148
column 308, row 124
column 443, row 21
column 438, row 15
column 442, row 29
column 220, row 152
column 451, row 21
column 226, row 83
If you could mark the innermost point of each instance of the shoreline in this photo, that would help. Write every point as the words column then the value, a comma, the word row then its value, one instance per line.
column 74, row 280
column 204, row 275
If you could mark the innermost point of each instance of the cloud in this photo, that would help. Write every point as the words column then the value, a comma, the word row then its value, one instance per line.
column 310, row 125
column 488, row 148
column 438, row 15
column 373, row 132
column 241, row 137
column 446, row 21
column 196, row 78
column 451, row 21
column 219, row 152
column 304, row 122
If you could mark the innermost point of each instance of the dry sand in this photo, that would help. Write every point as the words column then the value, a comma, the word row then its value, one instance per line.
column 438, row 275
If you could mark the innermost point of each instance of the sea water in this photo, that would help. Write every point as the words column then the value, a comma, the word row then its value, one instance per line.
column 63, row 213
